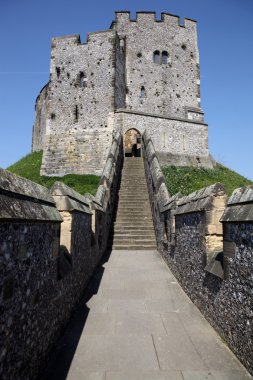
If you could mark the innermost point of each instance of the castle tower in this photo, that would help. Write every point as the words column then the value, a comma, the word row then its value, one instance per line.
column 141, row 74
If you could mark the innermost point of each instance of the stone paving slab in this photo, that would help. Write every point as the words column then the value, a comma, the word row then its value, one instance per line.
column 116, row 353
column 144, row 375
column 141, row 325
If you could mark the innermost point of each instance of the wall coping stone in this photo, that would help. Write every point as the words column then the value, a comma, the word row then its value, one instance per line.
column 101, row 195
column 94, row 202
column 238, row 213
column 12, row 183
column 172, row 202
column 215, row 189
column 64, row 203
column 122, row 110
column 241, row 195
column 22, row 200
column 200, row 200
column 239, row 206
column 60, row 189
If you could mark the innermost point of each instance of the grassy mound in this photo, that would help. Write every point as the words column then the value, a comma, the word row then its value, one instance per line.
column 188, row 179
column 29, row 167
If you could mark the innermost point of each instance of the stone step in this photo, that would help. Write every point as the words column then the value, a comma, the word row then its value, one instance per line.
column 133, row 202
column 132, row 217
column 134, row 242
column 134, row 224
column 134, row 232
column 132, row 184
column 134, row 210
column 131, row 237
column 133, row 188
column 129, row 229
column 134, row 206
column 133, row 177
column 139, row 176
column 134, row 247
column 142, row 214
column 133, row 228
column 131, row 214
column 133, row 194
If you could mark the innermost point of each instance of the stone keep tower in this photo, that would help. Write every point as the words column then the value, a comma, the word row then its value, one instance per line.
column 140, row 74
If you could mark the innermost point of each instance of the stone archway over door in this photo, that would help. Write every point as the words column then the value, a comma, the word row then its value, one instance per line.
column 132, row 143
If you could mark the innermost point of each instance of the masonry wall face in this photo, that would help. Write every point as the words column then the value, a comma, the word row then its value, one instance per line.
column 226, row 304
column 169, row 88
column 144, row 66
column 80, row 99
column 120, row 77
column 39, row 128
column 173, row 136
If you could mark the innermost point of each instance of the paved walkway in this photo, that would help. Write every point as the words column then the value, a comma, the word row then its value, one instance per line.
column 141, row 326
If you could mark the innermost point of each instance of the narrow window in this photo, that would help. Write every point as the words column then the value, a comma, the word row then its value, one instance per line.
column 83, row 79
column 58, row 71
column 143, row 92
column 76, row 113
column 164, row 57
column 156, row 57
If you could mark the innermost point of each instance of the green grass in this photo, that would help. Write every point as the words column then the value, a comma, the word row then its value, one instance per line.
column 29, row 167
column 188, row 179
column 179, row 179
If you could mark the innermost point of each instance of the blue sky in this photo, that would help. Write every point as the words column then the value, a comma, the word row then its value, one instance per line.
column 225, row 32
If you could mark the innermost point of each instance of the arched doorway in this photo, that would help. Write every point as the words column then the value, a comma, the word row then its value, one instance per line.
column 132, row 143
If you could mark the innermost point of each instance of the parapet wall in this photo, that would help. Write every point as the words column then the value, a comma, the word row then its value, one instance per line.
column 151, row 17
column 208, row 245
column 50, row 244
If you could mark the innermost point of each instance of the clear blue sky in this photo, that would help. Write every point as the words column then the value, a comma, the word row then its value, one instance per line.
column 225, row 32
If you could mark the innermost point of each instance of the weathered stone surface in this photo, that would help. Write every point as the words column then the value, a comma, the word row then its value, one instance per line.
column 15, row 184
column 163, row 197
column 228, row 304
column 241, row 195
column 39, row 128
column 240, row 206
column 44, row 267
column 171, row 85
column 176, row 141
column 81, row 101
column 21, row 199
column 67, row 199
column 126, row 77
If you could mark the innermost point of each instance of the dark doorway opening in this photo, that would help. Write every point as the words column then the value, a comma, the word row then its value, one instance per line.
column 132, row 143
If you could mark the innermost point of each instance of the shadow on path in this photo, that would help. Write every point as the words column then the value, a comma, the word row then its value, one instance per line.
column 62, row 354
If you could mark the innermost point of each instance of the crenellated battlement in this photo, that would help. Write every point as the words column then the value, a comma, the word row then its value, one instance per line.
column 148, row 17
column 75, row 39
column 72, row 39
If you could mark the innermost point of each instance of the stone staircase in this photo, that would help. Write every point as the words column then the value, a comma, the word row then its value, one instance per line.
column 133, row 227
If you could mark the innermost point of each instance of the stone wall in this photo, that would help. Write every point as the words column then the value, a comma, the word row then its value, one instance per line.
column 81, row 103
column 141, row 73
column 170, row 85
column 120, row 73
column 176, row 141
column 39, row 128
column 50, row 244
column 213, row 263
